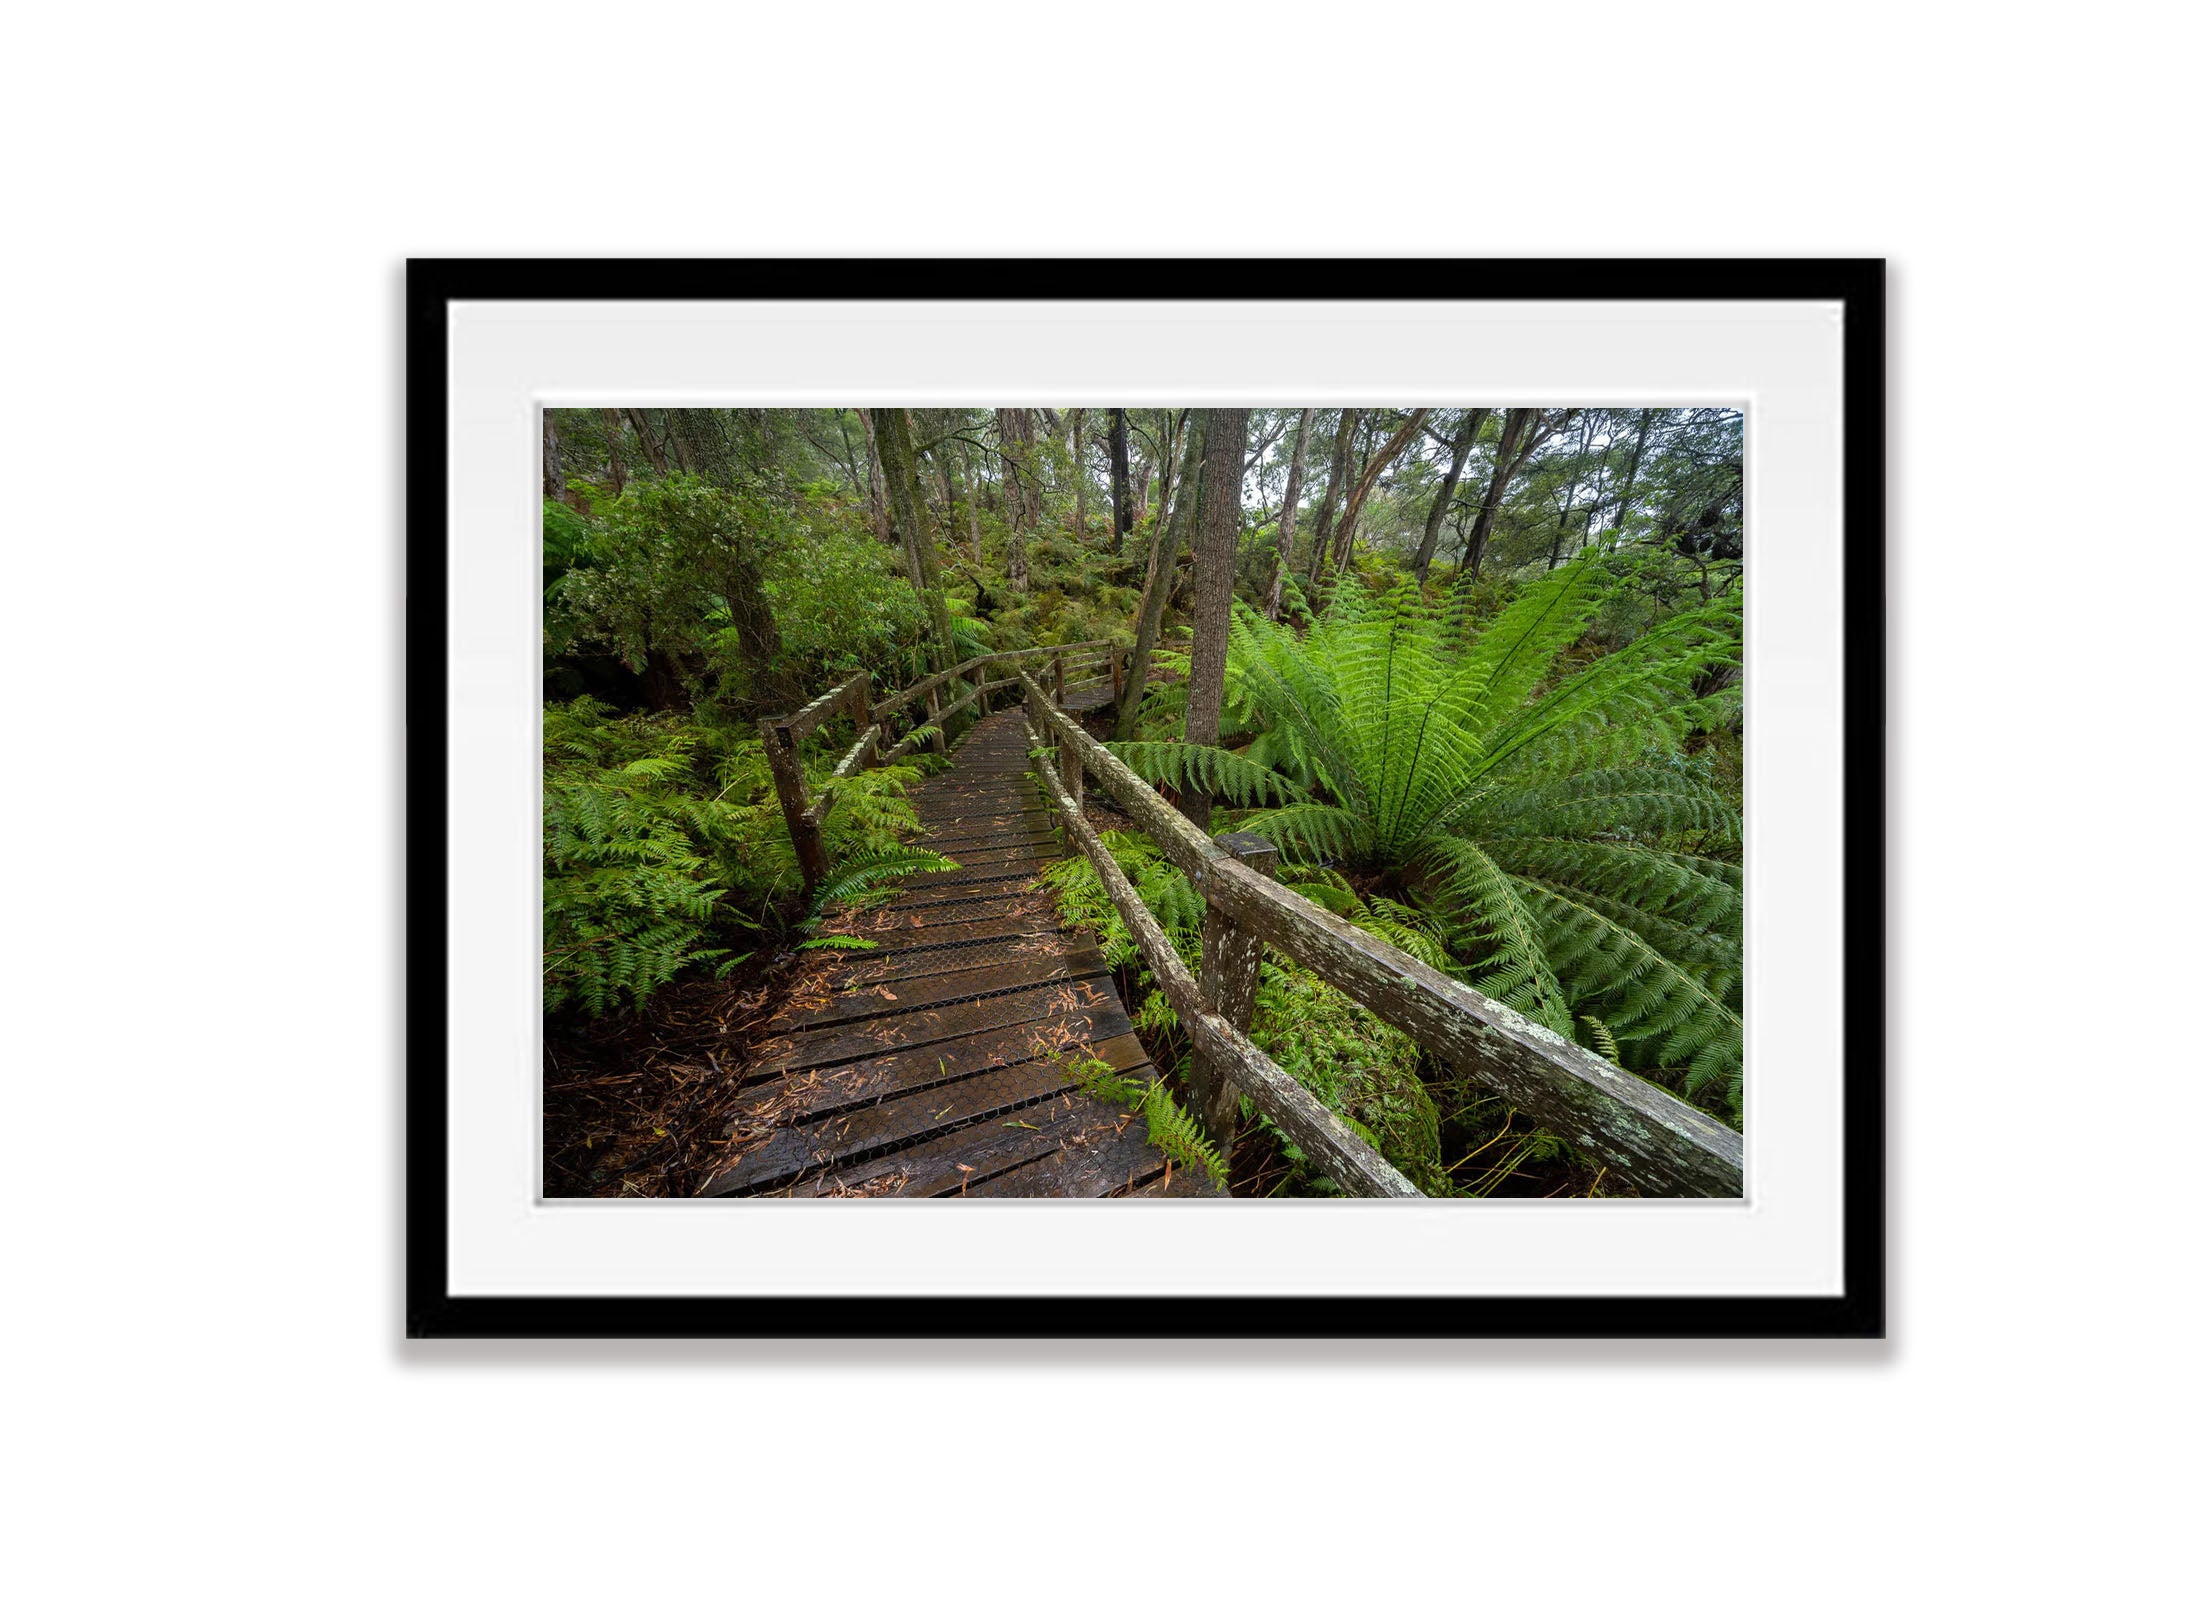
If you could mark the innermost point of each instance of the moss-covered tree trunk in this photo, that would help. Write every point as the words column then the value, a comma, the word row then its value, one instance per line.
column 1077, row 456
column 874, row 478
column 897, row 456
column 1161, row 574
column 970, row 511
column 1214, row 568
column 1020, row 489
column 1287, row 527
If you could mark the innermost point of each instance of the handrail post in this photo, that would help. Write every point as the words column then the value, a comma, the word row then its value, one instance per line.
column 977, row 684
column 1066, row 760
column 863, row 719
column 1229, row 979
column 794, row 801
column 1115, row 676
column 932, row 715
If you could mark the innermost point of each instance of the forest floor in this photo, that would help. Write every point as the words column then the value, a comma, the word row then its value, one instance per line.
column 631, row 1102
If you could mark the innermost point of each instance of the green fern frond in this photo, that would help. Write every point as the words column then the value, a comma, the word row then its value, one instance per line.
column 1600, row 1037
column 870, row 871
column 1208, row 770
column 1517, row 971
column 1169, row 1128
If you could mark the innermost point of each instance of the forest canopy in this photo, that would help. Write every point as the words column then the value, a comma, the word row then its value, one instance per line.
column 1476, row 672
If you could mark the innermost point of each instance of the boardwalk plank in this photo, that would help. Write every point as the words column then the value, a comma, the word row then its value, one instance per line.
column 940, row 932
column 853, row 1041
column 875, row 997
column 815, row 1095
column 888, row 966
column 790, row 1152
column 932, row 1063
column 947, row 1166
column 1007, row 883
column 1007, row 1036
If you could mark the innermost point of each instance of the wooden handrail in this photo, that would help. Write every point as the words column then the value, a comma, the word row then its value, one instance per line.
column 782, row 736
column 1337, row 1152
column 894, row 702
column 1659, row 1143
column 797, row 726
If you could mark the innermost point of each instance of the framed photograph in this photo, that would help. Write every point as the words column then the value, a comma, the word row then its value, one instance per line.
column 1381, row 761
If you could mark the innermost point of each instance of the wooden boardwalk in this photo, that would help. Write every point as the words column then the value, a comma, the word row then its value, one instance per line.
column 932, row 1065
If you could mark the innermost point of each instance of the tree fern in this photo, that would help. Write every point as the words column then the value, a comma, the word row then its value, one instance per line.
column 1546, row 809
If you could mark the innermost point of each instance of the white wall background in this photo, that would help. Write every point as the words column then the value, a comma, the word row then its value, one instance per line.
column 207, row 208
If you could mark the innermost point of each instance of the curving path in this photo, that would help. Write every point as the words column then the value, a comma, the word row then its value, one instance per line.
column 931, row 1066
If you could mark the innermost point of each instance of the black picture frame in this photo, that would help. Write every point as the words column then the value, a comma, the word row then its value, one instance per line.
column 1858, row 1312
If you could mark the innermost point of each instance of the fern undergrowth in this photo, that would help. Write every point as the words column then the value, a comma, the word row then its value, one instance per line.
column 1538, row 819
column 664, row 849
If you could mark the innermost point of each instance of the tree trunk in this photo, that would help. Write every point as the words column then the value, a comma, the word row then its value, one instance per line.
column 1142, row 485
column 1077, row 456
column 947, row 492
column 1376, row 464
column 881, row 520
column 1289, row 525
column 1573, row 484
column 1518, row 420
column 970, row 508
column 1020, row 488
column 1161, row 575
column 756, row 630
column 1119, row 472
column 676, row 441
column 1634, row 465
column 553, row 461
column 1172, row 437
column 1340, row 469
column 614, row 427
column 651, row 450
column 905, row 498
column 1214, row 567
column 1462, row 446
column 859, row 479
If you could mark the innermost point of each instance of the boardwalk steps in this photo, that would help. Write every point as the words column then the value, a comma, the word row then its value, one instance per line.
column 932, row 1065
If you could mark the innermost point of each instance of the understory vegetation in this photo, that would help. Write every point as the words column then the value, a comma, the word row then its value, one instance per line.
column 1481, row 689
